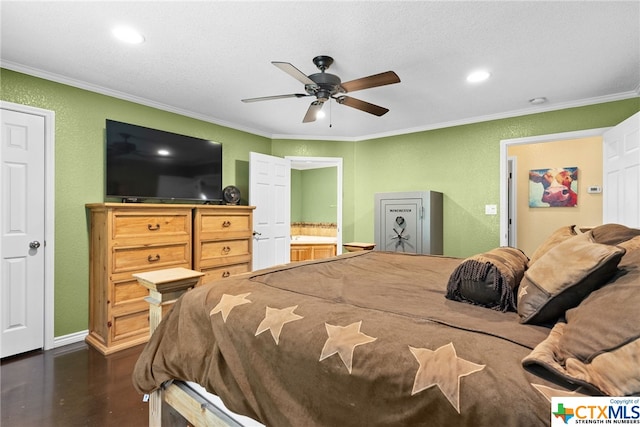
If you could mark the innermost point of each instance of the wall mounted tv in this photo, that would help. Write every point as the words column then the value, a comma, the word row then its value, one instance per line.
column 144, row 163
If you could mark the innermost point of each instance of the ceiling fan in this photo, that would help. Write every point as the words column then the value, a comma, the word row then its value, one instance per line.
column 325, row 86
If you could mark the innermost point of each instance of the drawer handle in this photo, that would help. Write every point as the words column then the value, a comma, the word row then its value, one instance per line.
column 226, row 250
column 226, row 224
column 152, row 227
column 226, row 274
column 152, row 258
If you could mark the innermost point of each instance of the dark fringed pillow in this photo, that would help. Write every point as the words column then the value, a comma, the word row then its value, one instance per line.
column 489, row 279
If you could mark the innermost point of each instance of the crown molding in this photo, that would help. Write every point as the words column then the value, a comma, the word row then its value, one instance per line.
column 35, row 72
column 471, row 120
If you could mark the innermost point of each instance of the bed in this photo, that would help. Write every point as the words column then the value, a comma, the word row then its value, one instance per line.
column 387, row 339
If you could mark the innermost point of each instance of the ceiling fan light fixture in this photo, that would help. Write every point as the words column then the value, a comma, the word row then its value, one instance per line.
column 128, row 35
column 478, row 76
column 325, row 86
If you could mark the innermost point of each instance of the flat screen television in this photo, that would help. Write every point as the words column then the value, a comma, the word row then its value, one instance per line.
column 144, row 163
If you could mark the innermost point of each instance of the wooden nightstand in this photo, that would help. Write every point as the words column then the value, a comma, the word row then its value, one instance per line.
column 359, row 246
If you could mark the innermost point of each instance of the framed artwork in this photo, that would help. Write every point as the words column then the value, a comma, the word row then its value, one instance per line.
column 553, row 187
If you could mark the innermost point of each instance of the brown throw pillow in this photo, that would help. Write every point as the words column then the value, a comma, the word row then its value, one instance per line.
column 599, row 345
column 564, row 276
column 557, row 237
column 613, row 234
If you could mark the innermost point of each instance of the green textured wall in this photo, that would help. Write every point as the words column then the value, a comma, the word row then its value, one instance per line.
column 313, row 195
column 462, row 162
column 79, row 164
column 319, row 199
column 296, row 195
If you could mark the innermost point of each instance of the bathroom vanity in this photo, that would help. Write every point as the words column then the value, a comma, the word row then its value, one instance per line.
column 305, row 248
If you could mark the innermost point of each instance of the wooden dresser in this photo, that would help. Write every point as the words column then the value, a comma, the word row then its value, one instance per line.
column 127, row 238
column 222, row 242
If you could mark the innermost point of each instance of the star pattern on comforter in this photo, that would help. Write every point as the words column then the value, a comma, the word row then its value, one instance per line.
column 343, row 340
column 443, row 368
column 549, row 392
column 275, row 319
column 228, row 303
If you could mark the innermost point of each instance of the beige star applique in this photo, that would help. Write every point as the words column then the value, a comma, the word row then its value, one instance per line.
column 443, row 368
column 343, row 340
column 275, row 319
column 522, row 292
column 549, row 392
column 228, row 303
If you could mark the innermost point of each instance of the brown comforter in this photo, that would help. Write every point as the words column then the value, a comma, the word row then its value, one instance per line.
column 364, row 339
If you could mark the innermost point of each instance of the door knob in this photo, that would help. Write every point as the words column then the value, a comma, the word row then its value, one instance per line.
column 34, row 245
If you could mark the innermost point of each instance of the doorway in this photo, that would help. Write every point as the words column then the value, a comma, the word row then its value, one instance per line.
column 45, row 216
column 508, row 210
column 306, row 163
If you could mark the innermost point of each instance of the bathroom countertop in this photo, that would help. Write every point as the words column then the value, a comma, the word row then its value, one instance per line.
column 313, row 240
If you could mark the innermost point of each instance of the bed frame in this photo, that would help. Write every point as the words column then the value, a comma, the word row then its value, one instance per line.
column 165, row 287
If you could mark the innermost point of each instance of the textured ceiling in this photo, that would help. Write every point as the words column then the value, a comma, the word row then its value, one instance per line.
column 201, row 58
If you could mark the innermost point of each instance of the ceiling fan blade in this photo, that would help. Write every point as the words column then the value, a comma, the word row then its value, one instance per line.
column 367, row 107
column 386, row 78
column 268, row 98
column 312, row 112
column 294, row 72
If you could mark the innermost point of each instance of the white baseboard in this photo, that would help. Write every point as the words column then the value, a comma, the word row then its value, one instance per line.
column 70, row 339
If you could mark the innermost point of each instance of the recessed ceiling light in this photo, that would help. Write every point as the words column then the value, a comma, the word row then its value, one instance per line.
column 478, row 76
column 128, row 35
column 163, row 152
column 539, row 100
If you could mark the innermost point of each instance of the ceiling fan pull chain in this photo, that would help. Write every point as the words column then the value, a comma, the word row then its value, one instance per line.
column 330, row 115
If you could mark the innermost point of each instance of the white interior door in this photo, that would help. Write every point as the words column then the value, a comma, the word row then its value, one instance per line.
column 270, row 193
column 621, row 173
column 22, row 207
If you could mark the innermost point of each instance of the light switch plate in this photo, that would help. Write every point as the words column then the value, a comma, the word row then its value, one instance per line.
column 490, row 209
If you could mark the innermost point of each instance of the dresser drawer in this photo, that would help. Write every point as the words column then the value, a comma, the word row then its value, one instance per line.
column 170, row 226
column 225, row 226
column 214, row 253
column 134, row 258
column 130, row 325
column 126, row 291
column 217, row 273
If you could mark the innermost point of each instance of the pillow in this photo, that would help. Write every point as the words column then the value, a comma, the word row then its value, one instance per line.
column 613, row 234
column 631, row 246
column 557, row 237
column 488, row 279
column 563, row 276
column 599, row 345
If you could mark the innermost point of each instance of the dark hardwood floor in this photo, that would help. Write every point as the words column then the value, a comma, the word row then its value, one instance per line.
column 74, row 385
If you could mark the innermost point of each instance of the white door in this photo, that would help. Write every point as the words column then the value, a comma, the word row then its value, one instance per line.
column 270, row 193
column 621, row 173
column 22, row 207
